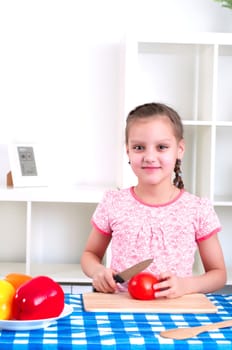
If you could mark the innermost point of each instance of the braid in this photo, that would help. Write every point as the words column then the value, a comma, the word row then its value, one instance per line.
column 178, row 182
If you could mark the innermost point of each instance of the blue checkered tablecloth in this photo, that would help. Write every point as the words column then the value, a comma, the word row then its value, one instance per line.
column 108, row 331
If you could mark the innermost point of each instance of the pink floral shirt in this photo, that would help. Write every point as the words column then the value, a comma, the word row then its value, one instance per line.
column 168, row 233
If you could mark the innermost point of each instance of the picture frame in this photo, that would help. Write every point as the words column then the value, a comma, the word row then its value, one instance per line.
column 27, row 165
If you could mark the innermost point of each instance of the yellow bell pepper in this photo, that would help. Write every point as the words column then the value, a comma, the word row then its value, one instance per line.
column 7, row 293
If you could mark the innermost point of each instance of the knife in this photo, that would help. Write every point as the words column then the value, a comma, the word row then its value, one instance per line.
column 127, row 274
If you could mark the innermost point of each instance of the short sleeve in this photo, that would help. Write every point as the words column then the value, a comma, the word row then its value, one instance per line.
column 100, row 218
column 209, row 223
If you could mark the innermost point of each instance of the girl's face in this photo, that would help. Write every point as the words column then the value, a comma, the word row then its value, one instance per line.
column 153, row 149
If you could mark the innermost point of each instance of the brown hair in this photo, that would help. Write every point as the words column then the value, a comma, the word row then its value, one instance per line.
column 149, row 110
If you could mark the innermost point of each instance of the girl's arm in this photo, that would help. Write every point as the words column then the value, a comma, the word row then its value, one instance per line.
column 213, row 279
column 213, row 261
column 91, row 262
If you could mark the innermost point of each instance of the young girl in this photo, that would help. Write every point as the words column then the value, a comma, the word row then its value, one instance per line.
column 157, row 218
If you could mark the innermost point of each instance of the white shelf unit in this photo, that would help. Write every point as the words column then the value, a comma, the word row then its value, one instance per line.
column 44, row 230
column 192, row 73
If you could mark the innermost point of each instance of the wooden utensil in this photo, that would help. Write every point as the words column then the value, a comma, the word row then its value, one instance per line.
column 189, row 332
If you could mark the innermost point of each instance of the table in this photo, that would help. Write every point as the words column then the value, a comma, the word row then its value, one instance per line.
column 108, row 331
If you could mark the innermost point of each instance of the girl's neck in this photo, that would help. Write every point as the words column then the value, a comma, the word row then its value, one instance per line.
column 154, row 194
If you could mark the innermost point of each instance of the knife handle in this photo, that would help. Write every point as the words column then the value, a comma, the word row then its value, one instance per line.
column 118, row 279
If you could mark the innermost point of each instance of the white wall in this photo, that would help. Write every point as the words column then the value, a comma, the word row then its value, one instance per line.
column 60, row 78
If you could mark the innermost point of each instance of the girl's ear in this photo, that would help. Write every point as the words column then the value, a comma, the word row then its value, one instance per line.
column 127, row 150
column 181, row 149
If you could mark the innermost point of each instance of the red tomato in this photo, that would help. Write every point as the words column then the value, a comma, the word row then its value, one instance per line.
column 141, row 286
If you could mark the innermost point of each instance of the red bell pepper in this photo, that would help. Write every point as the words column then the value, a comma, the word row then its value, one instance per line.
column 39, row 298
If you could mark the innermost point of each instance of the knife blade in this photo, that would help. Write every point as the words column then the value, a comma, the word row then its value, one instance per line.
column 127, row 274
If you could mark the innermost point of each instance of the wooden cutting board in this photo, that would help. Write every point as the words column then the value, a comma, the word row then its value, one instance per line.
column 122, row 302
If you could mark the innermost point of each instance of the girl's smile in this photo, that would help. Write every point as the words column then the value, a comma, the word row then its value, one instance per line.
column 150, row 168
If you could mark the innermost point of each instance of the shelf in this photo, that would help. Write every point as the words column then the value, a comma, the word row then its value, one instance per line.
column 207, row 123
column 11, row 267
column 71, row 194
column 222, row 203
column 49, row 228
column 59, row 272
column 224, row 123
column 197, row 123
column 184, row 38
column 229, row 278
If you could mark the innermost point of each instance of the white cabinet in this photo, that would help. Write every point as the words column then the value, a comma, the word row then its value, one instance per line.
column 44, row 230
column 191, row 72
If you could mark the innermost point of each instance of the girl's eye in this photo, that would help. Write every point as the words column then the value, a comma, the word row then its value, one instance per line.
column 162, row 147
column 138, row 148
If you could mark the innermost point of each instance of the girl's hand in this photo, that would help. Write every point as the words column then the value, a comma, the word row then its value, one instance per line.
column 170, row 286
column 103, row 280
